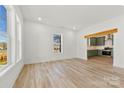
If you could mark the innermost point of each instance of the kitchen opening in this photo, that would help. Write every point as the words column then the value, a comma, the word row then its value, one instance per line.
column 100, row 46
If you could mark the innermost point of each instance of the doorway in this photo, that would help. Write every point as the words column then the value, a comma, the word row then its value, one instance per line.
column 100, row 46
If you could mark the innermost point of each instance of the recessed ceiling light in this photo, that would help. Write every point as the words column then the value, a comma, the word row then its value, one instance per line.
column 74, row 28
column 39, row 19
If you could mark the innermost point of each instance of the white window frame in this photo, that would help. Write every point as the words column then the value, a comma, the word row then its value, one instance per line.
column 18, row 39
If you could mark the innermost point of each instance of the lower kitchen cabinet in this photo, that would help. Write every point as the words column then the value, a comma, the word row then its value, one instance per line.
column 91, row 53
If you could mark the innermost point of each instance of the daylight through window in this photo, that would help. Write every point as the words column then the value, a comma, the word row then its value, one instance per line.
column 3, row 35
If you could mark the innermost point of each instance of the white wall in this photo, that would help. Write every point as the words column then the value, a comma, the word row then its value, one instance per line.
column 118, row 39
column 9, row 74
column 38, row 44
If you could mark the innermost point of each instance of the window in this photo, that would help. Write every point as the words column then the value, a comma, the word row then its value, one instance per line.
column 3, row 35
column 10, row 37
column 57, row 43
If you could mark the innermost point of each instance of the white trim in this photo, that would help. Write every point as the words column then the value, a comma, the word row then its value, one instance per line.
column 3, row 70
column 18, row 36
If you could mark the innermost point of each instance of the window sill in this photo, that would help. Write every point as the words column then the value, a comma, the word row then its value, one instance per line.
column 5, row 68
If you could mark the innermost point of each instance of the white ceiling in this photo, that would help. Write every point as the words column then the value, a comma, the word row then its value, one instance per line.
column 70, row 16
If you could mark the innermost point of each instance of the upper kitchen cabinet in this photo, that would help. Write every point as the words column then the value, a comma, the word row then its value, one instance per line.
column 97, row 41
column 100, row 41
column 93, row 41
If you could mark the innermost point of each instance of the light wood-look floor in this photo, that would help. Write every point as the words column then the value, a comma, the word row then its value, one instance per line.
column 72, row 73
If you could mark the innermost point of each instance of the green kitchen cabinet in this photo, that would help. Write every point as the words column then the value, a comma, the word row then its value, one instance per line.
column 91, row 53
column 93, row 41
column 97, row 41
column 100, row 41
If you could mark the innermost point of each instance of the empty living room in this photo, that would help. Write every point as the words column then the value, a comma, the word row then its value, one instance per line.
column 61, row 46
